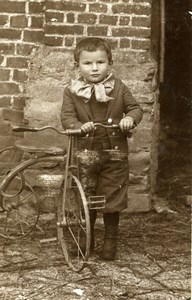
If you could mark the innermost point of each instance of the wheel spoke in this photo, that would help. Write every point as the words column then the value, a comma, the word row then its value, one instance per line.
column 77, row 243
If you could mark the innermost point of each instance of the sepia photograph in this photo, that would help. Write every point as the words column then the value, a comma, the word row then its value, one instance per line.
column 95, row 149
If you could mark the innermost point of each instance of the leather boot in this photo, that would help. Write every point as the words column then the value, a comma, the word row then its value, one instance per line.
column 92, row 215
column 111, row 222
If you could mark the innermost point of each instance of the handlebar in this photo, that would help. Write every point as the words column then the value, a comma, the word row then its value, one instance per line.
column 18, row 128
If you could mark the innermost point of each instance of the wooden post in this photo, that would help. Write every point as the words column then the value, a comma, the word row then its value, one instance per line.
column 162, row 40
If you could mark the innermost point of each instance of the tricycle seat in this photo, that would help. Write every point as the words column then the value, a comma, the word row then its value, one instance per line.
column 43, row 145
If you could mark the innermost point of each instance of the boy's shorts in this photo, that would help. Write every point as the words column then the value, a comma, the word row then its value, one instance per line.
column 105, row 172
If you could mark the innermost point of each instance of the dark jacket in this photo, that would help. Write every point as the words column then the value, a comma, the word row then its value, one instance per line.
column 76, row 112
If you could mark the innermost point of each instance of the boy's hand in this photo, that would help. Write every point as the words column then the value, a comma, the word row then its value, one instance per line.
column 87, row 127
column 126, row 123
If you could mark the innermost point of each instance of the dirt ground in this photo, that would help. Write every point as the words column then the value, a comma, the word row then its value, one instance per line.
column 153, row 262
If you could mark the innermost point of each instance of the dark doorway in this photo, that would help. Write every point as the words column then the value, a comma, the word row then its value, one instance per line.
column 174, row 176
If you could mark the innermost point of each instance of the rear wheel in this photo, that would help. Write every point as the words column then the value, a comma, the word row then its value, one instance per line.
column 74, row 225
column 20, row 212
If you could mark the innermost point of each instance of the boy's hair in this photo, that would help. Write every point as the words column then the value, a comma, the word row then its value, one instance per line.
column 92, row 44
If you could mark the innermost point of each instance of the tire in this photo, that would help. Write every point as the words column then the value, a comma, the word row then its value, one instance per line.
column 20, row 212
column 74, row 224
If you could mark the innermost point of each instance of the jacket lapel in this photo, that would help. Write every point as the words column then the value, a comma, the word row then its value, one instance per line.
column 87, row 109
column 84, row 108
column 113, row 94
column 109, row 107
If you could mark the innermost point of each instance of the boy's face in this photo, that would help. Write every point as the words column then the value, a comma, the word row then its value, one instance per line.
column 93, row 65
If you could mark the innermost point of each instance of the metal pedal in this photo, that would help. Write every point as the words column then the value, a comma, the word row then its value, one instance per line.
column 96, row 202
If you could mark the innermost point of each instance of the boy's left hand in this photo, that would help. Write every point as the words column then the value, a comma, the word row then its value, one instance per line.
column 126, row 123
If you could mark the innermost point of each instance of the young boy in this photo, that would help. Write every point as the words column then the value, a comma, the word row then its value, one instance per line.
column 97, row 96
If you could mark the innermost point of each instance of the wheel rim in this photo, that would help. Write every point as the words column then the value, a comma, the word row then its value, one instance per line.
column 18, row 186
column 21, row 211
column 74, row 225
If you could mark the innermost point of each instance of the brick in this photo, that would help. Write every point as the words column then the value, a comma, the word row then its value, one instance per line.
column 3, row 20
column 97, row 7
column 131, row 32
column 141, row 2
column 70, row 17
column 13, row 115
column 17, row 62
column 20, row 76
column 25, row 49
column 97, row 30
column 124, row 20
column 7, row 48
column 65, row 6
column 12, row 6
column 5, row 101
column 36, row 7
column 34, row 36
column 131, row 9
column 141, row 21
column 1, row 59
column 9, row 88
column 10, row 34
column 18, row 102
column 54, row 17
column 37, row 22
column 18, row 21
column 53, row 41
column 125, row 43
column 64, row 29
column 87, row 18
column 141, row 44
column 110, row 20
column 4, row 74
column 69, row 41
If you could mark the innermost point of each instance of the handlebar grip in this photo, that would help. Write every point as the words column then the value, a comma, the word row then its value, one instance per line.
column 17, row 128
column 73, row 131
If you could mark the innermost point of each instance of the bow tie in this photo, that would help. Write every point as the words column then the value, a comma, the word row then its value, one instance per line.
column 101, row 89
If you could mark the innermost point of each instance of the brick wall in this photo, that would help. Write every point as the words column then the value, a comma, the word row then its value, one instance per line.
column 125, row 23
column 37, row 38
column 21, row 30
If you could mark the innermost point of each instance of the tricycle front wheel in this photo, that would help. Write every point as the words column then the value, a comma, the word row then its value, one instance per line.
column 74, row 224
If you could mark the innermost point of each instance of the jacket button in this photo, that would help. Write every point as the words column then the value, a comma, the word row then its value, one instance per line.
column 87, row 135
column 113, row 133
column 116, row 147
column 110, row 121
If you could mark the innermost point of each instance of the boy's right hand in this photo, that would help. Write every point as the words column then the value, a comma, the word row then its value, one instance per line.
column 87, row 127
